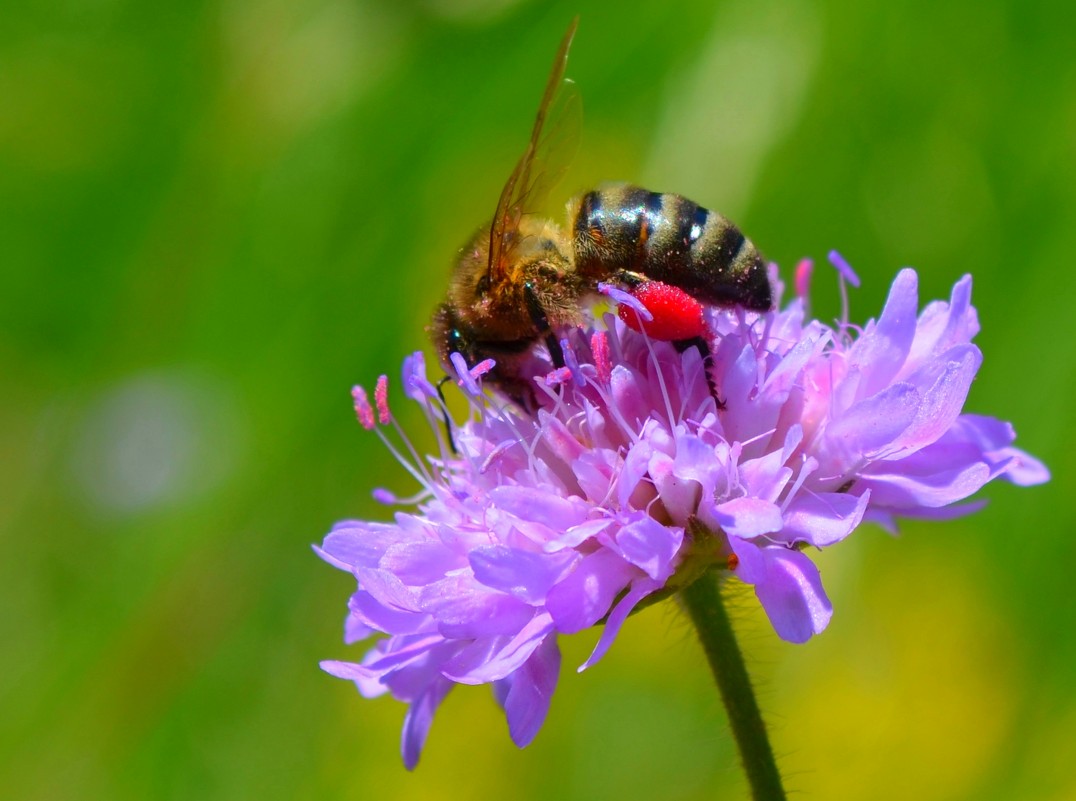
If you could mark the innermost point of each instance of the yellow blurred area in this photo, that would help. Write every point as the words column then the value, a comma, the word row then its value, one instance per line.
column 905, row 678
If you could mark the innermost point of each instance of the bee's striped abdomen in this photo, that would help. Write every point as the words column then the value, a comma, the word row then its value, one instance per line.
column 668, row 238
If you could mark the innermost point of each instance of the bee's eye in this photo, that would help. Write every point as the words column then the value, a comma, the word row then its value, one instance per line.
column 455, row 341
column 483, row 285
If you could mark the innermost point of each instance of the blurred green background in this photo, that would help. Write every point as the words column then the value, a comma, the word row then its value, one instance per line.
column 215, row 217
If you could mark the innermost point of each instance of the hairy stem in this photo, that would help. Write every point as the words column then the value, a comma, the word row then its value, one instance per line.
column 707, row 609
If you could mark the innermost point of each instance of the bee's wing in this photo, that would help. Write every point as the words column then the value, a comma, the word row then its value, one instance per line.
column 552, row 145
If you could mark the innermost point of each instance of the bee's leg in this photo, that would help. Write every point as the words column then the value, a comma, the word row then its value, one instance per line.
column 444, row 415
column 707, row 362
column 541, row 322
column 455, row 344
column 628, row 279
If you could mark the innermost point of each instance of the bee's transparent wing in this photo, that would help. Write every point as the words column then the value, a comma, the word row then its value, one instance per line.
column 554, row 139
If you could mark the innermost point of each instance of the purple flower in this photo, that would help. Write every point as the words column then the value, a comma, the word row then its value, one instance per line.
column 631, row 480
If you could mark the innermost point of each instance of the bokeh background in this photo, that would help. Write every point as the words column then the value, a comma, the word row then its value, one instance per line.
column 217, row 216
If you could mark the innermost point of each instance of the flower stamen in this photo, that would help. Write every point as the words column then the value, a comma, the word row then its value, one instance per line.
column 363, row 411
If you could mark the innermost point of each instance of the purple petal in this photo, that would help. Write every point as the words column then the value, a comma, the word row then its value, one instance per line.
column 368, row 611
column 387, row 589
column 944, row 387
column 823, row 518
column 963, row 323
column 639, row 590
column 404, row 665
column 952, row 512
column 899, row 489
column 524, row 574
column 1024, row 470
column 740, row 381
column 993, row 437
column 650, row 546
column 682, row 480
column 749, row 517
column 368, row 682
column 636, row 464
column 418, row 563
column 577, row 535
column 788, row 372
column 871, row 425
column 356, row 629
column 529, row 690
column 583, row 597
column 492, row 658
column 557, row 437
column 751, row 565
column 679, row 497
column 397, row 655
column 695, row 461
column 539, row 505
column 792, row 595
column 943, row 325
column 767, row 476
column 628, row 397
column 354, row 543
column 882, row 350
column 988, row 433
column 594, row 471
column 417, row 722
column 464, row 609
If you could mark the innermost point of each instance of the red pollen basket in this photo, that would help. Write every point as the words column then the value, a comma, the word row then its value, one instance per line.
column 677, row 315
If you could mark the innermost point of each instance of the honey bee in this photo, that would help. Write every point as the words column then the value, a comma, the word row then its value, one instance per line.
column 522, row 278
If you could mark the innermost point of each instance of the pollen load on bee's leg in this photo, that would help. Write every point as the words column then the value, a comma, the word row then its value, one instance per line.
column 676, row 314
column 677, row 318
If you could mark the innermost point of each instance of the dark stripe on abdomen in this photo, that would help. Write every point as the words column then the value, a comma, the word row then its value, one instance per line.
column 654, row 211
column 728, row 243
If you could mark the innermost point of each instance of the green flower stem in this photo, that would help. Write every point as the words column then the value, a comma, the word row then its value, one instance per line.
column 703, row 601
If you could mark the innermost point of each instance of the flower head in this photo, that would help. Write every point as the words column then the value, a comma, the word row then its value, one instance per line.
column 631, row 479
